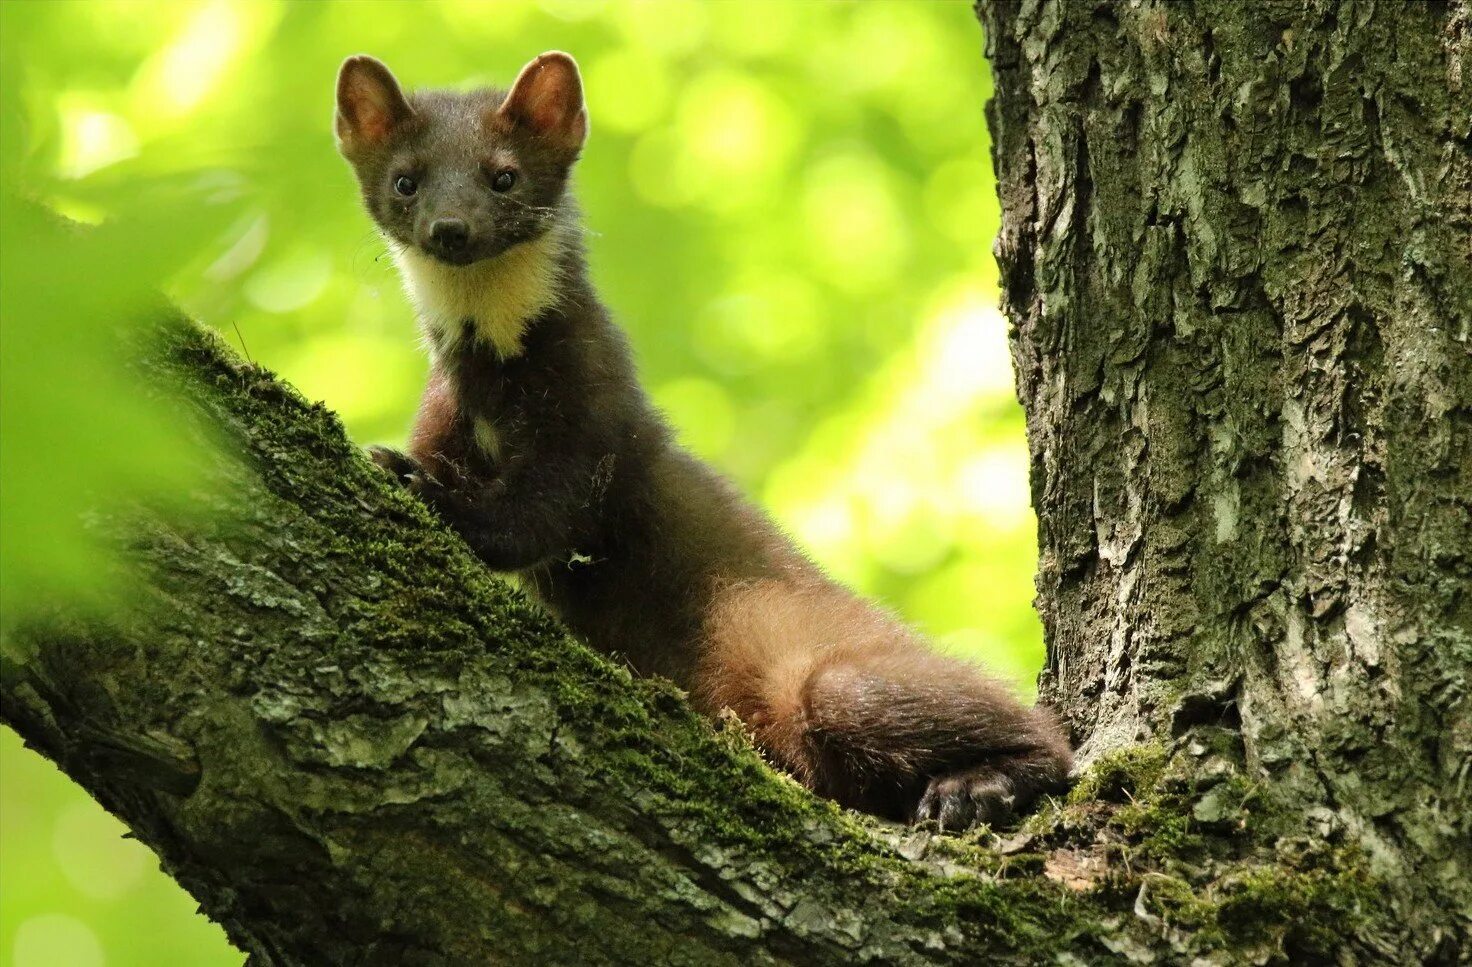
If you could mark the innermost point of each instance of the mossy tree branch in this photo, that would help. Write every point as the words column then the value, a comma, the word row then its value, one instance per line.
column 354, row 745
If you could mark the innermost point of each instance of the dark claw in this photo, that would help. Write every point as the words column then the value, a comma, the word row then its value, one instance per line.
column 926, row 808
column 424, row 486
column 397, row 463
column 964, row 799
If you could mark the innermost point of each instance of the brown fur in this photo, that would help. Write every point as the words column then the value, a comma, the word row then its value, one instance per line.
column 544, row 452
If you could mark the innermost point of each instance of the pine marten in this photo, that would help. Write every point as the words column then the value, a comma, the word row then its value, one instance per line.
column 537, row 444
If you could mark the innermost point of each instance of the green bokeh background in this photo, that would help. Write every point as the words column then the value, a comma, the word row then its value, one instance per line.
column 791, row 209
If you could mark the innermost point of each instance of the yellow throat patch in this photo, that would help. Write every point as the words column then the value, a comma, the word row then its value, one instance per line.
column 500, row 295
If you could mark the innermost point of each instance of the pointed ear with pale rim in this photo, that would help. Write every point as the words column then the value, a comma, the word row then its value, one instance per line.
column 370, row 105
column 547, row 100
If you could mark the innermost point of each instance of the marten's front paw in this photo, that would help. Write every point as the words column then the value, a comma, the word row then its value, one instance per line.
column 411, row 475
column 962, row 799
column 398, row 464
column 423, row 485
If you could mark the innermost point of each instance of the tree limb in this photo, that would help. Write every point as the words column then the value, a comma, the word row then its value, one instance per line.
column 354, row 745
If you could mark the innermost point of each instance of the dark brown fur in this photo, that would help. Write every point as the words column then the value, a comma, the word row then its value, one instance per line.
column 647, row 552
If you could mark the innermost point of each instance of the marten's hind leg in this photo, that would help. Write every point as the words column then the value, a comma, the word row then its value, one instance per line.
column 911, row 735
column 857, row 708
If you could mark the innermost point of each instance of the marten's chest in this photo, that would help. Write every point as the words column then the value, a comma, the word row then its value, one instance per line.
column 507, row 407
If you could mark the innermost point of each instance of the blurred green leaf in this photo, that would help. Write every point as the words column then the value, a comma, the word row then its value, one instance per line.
column 78, row 429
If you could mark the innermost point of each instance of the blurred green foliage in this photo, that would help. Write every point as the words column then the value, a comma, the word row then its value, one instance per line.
column 791, row 210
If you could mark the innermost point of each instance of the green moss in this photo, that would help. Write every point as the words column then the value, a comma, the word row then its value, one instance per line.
column 1163, row 833
column 1333, row 898
column 1194, row 854
column 1121, row 775
column 1300, row 907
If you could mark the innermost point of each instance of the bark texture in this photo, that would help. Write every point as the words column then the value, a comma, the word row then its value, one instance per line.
column 1238, row 252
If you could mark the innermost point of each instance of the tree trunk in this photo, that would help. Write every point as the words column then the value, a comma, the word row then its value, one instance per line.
column 1237, row 251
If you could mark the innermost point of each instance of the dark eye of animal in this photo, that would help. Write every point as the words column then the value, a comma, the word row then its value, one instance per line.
column 405, row 186
column 504, row 179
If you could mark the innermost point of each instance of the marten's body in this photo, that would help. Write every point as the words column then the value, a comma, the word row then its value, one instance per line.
column 537, row 443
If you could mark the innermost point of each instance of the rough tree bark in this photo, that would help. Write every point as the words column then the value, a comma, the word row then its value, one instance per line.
column 1237, row 252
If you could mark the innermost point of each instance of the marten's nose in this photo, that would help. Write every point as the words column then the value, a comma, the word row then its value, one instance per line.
column 449, row 234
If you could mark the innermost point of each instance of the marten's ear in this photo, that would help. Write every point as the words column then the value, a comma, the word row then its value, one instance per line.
column 370, row 105
column 547, row 100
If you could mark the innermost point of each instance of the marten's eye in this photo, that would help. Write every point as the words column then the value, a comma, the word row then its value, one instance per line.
column 504, row 179
column 405, row 186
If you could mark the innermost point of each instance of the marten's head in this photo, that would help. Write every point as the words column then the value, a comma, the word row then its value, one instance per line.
column 463, row 177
